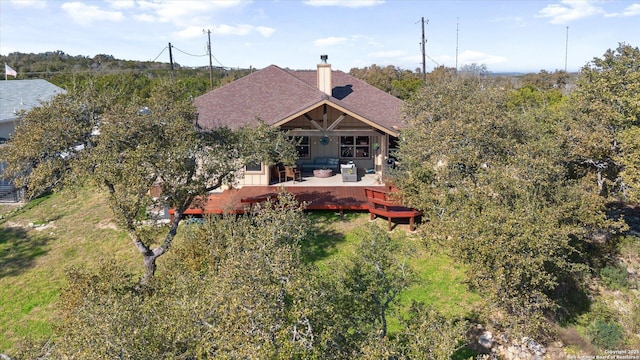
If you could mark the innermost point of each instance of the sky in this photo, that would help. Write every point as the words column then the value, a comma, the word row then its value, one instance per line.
column 506, row 36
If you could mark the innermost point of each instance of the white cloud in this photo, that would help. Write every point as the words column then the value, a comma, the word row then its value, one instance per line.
column 240, row 30
column 148, row 18
column 190, row 32
column 330, row 41
column 631, row 10
column 86, row 14
column 122, row 4
column 38, row 4
column 477, row 57
column 569, row 10
column 237, row 30
column 345, row 3
column 265, row 31
column 183, row 12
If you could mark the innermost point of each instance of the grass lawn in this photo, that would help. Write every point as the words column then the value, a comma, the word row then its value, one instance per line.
column 440, row 281
column 37, row 244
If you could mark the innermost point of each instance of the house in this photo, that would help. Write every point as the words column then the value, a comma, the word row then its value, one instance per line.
column 17, row 96
column 332, row 114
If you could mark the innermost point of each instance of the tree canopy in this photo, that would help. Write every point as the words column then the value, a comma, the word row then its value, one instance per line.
column 86, row 135
column 500, row 192
column 605, row 117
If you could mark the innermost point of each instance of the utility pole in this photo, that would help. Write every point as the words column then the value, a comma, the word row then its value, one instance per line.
column 210, row 62
column 423, row 45
column 457, row 36
column 171, row 63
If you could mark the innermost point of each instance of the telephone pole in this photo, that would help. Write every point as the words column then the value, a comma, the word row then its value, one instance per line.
column 457, row 38
column 210, row 62
column 171, row 63
column 566, row 50
column 423, row 45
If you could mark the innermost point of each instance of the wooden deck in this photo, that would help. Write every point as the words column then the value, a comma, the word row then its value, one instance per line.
column 237, row 201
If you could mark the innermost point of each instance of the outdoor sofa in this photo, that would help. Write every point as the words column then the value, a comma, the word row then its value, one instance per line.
column 322, row 163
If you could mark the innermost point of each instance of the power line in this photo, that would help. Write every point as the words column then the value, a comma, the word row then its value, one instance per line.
column 219, row 63
column 165, row 48
column 186, row 53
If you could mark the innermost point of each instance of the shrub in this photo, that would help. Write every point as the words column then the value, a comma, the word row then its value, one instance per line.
column 614, row 276
column 605, row 334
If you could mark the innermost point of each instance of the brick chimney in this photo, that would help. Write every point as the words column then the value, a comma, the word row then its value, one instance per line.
column 324, row 75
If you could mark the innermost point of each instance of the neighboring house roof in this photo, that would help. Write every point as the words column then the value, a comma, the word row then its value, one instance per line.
column 274, row 94
column 17, row 95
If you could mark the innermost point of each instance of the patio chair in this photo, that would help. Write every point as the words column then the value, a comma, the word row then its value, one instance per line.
column 293, row 173
column 279, row 171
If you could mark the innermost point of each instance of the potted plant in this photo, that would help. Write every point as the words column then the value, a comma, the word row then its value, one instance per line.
column 376, row 146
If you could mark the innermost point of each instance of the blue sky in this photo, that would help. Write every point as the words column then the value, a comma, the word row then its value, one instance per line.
column 522, row 36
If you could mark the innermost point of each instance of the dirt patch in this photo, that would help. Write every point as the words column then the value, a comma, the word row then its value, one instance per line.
column 106, row 224
column 49, row 225
column 570, row 337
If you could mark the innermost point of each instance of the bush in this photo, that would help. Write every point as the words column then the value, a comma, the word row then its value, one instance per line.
column 614, row 276
column 605, row 334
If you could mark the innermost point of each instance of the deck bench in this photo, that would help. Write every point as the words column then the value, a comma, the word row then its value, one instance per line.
column 381, row 203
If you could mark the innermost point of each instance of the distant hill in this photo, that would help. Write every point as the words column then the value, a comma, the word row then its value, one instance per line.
column 65, row 70
column 30, row 65
column 55, row 62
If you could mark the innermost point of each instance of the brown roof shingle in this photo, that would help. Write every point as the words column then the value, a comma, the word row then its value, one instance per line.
column 273, row 94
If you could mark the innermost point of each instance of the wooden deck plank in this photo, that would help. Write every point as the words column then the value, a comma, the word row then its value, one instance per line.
column 317, row 198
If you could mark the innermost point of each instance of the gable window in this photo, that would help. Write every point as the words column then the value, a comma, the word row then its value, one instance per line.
column 302, row 146
column 355, row 147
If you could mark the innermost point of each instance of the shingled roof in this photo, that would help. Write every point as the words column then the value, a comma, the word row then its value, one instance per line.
column 274, row 94
column 17, row 95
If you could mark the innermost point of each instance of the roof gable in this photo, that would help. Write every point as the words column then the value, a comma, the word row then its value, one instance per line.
column 274, row 94
column 17, row 95
column 270, row 94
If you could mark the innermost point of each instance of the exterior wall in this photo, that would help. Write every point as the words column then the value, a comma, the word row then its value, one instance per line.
column 6, row 129
column 256, row 177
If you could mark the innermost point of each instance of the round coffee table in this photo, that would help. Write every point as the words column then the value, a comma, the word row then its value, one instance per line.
column 323, row 173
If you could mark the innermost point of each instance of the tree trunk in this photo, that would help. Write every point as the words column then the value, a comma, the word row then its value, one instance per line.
column 150, row 256
column 149, row 267
column 602, row 190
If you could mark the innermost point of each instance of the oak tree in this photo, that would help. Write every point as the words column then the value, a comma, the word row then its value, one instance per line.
column 129, row 148
column 496, row 186
column 604, row 116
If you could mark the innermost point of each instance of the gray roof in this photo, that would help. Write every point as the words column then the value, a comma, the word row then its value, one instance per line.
column 16, row 95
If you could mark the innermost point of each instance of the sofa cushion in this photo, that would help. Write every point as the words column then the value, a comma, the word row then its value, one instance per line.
column 322, row 162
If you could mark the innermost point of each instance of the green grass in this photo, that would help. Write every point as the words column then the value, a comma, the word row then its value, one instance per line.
column 67, row 230
column 440, row 281
column 442, row 285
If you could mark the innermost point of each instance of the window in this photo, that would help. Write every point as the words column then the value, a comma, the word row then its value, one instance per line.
column 302, row 146
column 355, row 147
column 254, row 166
